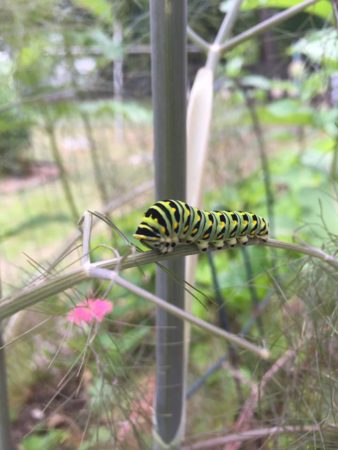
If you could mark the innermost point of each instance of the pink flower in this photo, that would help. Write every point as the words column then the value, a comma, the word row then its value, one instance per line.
column 89, row 311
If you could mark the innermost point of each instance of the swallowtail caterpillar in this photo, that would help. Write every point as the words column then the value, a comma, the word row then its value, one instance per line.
column 170, row 222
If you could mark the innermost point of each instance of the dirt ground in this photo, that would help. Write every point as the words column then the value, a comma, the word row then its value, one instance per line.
column 40, row 173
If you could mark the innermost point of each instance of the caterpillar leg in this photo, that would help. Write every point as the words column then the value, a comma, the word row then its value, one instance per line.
column 165, row 247
column 218, row 245
column 263, row 238
column 231, row 242
column 157, row 245
column 202, row 245
column 168, row 245
column 243, row 239
column 162, row 245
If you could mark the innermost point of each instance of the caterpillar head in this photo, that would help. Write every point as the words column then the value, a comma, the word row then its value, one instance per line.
column 149, row 237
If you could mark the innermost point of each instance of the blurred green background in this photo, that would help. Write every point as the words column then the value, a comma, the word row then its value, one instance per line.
column 76, row 134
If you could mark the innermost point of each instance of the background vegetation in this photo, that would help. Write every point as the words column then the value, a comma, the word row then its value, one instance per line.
column 76, row 134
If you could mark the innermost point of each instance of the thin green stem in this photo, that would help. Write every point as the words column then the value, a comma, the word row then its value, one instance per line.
column 254, row 434
column 108, row 208
column 100, row 176
column 63, row 173
column 252, row 288
column 224, row 323
column 257, row 128
column 334, row 163
column 180, row 313
column 13, row 327
column 223, row 34
column 266, row 25
column 5, row 426
column 58, row 283
column 5, row 437
column 168, row 20
column 93, row 150
column 335, row 12
column 198, row 40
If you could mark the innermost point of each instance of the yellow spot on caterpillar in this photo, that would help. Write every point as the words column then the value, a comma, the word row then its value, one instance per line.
column 175, row 226
column 186, row 228
column 162, row 230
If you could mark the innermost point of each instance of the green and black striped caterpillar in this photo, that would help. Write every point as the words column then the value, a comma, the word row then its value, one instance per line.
column 170, row 222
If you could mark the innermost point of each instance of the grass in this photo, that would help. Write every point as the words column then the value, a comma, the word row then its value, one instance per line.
column 37, row 221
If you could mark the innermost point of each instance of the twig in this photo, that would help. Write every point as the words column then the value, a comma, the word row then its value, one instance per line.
column 243, row 422
column 266, row 25
column 223, row 34
column 306, row 250
column 223, row 321
column 335, row 11
column 334, row 163
column 252, row 289
column 109, row 207
column 5, row 424
column 13, row 327
column 113, row 276
column 223, row 359
column 5, row 438
column 39, row 291
column 197, row 39
column 251, row 435
column 50, row 129
column 257, row 128
column 100, row 176
column 100, row 179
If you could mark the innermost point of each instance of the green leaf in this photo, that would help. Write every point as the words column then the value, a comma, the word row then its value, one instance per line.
column 322, row 8
column 49, row 441
column 328, row 120
column 323, row 144
column 99, row 8
column 98, row 437
column 103, row 43
column 256, row 81
column 234, row 66
column 131, row 111
column 286, row 112
column 31, row 53
column 127, row 342
column 319, row 46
